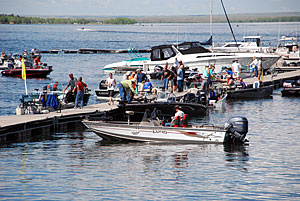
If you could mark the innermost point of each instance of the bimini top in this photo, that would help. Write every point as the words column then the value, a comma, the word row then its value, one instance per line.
column 191, row 48
column 164, row 52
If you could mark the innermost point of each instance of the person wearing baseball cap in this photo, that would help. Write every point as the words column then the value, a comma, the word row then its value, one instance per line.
column 70, row 97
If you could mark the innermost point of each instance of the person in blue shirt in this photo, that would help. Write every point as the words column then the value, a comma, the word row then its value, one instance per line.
column 141, row 78
column 148, row 85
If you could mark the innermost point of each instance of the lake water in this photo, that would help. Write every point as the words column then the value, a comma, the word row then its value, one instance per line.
column 74, row 165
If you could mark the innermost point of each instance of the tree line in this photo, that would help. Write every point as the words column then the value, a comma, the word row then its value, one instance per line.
column 16, row 19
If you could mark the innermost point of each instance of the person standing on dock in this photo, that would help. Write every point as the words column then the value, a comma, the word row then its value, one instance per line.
column 253, row 67
column 260, row 70
column 124, row 87
column 70, row 96
column 180, row 75
column 236, row 69
column 110, row 83
column 166, row 75
column 81, row 86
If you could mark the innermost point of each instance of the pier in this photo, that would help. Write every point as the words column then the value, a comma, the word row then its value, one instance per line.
column 88, row 51
column 274, row 79
column 19, row 127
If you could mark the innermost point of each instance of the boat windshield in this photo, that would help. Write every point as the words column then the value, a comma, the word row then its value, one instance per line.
column 151, row 118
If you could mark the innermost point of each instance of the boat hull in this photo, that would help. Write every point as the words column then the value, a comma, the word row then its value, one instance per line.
column 167, row 109
column 252, row 93
column 30, row 73
column 291, row 92
column 157, row 134
column 103, row 94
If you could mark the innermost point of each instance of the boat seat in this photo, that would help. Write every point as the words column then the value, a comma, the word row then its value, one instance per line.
column 256, row 84
column 130, row 113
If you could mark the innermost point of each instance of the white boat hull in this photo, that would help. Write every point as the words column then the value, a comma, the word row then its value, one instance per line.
column 198, row 61
column 157, row 134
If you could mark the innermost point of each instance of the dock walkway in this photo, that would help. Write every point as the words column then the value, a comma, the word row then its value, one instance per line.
column 19, row 126
column 276, row 79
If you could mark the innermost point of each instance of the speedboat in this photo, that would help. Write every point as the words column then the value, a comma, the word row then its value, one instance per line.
column 250, row 93
column 291, row 88
column 152, row 130
column 249, row 44
column 102, row 92
column 41, row 72
column 194, row 56
column 288, row 49
column 135, row 62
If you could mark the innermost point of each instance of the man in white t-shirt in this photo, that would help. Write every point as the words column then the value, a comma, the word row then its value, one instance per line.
column 110, row 83
column 178, row 113
column 236, row 69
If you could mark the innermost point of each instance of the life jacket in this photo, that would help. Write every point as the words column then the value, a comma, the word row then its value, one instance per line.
column 177, row 122
column 184, row 121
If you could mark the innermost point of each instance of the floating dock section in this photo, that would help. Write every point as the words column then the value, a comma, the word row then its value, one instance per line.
column 19, row 127
column 89, row 51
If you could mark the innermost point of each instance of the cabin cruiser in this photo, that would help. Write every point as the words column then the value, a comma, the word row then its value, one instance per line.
column 193, row 55
column 288, row 49
column 249, row 44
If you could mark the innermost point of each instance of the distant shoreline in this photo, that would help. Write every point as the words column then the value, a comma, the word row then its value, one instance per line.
column 236, row 18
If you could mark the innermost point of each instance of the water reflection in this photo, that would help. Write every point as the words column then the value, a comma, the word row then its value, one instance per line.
column 236, row 156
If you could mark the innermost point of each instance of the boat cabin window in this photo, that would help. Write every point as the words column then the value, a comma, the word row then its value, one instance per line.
column 162, row 53
column 233, row 45
column 167, row 53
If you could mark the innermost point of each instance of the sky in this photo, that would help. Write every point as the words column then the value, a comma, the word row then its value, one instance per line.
column 142, row 7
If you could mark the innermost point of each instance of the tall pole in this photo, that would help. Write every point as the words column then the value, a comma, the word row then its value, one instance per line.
column 211, row 29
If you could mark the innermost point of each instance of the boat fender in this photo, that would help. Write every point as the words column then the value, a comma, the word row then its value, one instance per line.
column 184, row 122
column 177, row 122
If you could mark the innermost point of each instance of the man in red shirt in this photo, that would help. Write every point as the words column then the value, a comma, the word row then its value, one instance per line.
column 81, row 86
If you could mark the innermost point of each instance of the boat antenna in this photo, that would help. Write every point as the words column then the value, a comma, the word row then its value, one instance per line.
column 211, row 25
column 278, row 39
column 229, row 25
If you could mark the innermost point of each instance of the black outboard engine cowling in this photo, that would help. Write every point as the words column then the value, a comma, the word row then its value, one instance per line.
column 102, row 85
column 201, row 94
column 236, row 130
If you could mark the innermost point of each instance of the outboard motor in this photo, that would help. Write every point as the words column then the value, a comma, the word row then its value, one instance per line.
column 202, row 97
column 189, row 98
column 102, row 85
column 236, row 130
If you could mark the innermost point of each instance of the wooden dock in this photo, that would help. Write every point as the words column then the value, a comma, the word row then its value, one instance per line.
column 275, row 79
column 17, row 127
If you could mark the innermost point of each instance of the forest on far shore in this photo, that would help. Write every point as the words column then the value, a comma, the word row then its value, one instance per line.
column 16, row 19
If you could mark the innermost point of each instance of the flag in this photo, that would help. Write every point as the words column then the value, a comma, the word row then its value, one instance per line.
column 23, row 70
